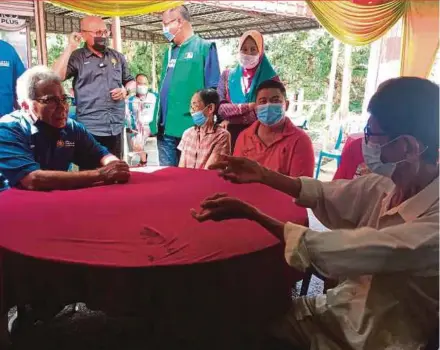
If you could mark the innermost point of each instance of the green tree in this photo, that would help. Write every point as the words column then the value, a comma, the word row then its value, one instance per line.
column 139, row 56
column 55, row 47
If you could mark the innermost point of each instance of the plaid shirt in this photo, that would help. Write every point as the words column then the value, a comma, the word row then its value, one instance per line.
column 199, row 144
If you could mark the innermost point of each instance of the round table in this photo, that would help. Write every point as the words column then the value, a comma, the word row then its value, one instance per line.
column 134, row 249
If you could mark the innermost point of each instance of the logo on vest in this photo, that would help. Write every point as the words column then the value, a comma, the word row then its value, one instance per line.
column 172, row 63
column 5, row 64
column 60, row 144
column 189, row 55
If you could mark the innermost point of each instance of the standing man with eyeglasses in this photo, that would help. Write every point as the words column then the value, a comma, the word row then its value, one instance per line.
column 101, row 82
column 190, row 64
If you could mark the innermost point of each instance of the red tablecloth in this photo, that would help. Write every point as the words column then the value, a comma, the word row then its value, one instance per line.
column 162, row 261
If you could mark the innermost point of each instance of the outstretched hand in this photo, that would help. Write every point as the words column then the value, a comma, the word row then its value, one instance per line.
column 220, row 207
column 239, row 170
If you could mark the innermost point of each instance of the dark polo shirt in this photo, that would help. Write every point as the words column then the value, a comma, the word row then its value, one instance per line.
column 93, row 79
column 26, row 146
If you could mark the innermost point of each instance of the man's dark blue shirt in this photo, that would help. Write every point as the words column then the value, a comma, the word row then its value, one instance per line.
column 27, row 146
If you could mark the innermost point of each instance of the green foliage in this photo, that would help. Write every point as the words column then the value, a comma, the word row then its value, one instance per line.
column 56, row 46
column 302, row 60
column 139, row 56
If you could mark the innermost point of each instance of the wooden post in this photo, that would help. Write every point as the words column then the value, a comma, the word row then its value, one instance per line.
column 40, row 28
column 332, row 80
column 116, row 33
column 153, row 67
column 346, row 82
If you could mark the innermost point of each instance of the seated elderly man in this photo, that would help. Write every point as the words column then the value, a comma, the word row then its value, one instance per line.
column 38, row 143
column 383, row 244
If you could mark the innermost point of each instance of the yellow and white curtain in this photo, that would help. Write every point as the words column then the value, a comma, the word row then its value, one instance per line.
column 116, row 7
column 361, row 22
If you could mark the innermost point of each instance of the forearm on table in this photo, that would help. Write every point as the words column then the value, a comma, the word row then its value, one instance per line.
column 288, row 185
column 60, row 65
column 46, row 180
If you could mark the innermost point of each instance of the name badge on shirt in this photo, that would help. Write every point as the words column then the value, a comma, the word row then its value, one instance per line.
column 189, row 55
column 172, row 63
column 5, row 64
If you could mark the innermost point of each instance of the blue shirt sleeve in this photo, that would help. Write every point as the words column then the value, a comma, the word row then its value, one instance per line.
column 88, row 152
column 16, row 157
column 212, row 68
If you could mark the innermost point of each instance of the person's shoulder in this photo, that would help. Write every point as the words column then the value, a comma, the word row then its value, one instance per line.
column 374, row 184
column 222, row 132
column 295, row 132
column 79, row 52
column 115, row 53
column 15, row 122
column 6, row 47
column 75, row 127
column 189, row 132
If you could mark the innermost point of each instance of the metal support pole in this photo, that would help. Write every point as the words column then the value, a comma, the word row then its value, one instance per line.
column 346, row 82
column 153, row 67
column 116, row 32
column 40, row 28
column 332, row 80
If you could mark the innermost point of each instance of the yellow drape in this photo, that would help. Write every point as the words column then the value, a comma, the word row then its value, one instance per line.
column 420, row 40
column 357, row 24
column 116, row 7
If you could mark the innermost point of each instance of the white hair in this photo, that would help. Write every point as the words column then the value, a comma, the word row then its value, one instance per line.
column 26, row 84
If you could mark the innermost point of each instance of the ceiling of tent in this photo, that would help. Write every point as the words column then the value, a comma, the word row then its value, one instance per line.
column 210, row 19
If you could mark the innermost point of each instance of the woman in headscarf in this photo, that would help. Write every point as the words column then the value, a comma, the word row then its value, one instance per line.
column 237, row 86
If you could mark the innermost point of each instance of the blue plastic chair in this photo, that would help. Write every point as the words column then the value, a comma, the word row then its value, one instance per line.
column 335, row 153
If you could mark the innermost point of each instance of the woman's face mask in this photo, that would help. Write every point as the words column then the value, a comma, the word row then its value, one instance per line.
column 270, row 113
column 199, row 118
column 248, row 61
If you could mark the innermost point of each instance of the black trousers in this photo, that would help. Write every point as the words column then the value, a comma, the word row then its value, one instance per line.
column 112, row 143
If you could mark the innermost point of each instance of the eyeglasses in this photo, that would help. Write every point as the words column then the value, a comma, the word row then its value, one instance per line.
column 368, row 133
column 168, row 23
column 55, row 101
column 99, row 33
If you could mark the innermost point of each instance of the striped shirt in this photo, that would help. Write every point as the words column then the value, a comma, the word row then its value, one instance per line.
column 201, row 146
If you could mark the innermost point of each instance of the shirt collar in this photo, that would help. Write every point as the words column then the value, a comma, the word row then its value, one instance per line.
column 184, row 43
column 417, row 205
column 39, row 126
column 206, row 130
column 89, row 52
column 289, row 129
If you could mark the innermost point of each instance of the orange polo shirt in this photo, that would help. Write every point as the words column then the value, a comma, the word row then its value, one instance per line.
column 291, row 152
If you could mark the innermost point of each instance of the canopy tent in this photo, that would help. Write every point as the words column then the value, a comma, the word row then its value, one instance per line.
column 356, row 22
column 211, row 19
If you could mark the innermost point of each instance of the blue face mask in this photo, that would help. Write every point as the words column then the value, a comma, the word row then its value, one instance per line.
column 167, row 34
column 199, row 118
column 270, row 113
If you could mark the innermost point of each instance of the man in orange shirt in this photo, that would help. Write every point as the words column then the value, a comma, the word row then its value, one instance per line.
column 273, row 140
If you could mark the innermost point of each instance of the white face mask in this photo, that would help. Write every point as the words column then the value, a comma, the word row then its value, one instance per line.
column 248, row 61
column 372, row 153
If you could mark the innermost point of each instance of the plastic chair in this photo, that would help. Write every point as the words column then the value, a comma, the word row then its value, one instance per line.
column 335, row 153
